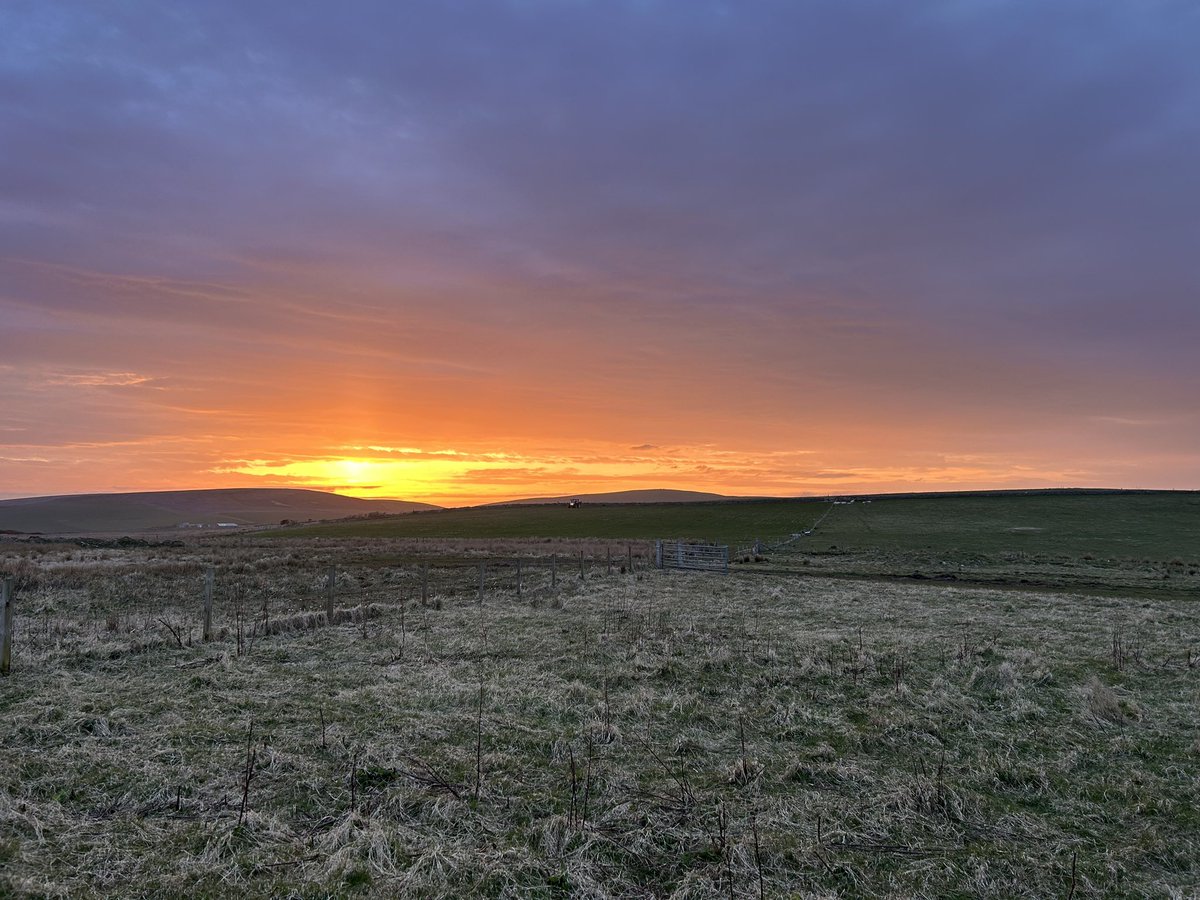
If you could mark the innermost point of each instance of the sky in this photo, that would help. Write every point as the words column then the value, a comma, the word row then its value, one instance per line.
column 458, row 252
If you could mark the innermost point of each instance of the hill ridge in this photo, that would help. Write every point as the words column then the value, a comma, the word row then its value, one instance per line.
column 644, row 495
column 141, row 511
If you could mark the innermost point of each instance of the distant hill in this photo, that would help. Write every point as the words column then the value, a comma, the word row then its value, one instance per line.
column 159, row 510
column 661, row 495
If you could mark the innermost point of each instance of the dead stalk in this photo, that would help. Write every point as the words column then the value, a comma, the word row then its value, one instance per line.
column 248, row 773
column 479, row 741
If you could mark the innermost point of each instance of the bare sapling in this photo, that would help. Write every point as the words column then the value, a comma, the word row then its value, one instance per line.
column 573, row 814
column 253, row 635
column 6, row 623
column 427, row 775
column 479, row 740
column 330, row 584
column 818, row 848
column 173, row 630
column 758, row 866
column 209, row 581
column 587, row 782
column 238, row 617
column 718, row 839
column 742, row 741
column 607, row 712
column 247, row 772
column 898, row 663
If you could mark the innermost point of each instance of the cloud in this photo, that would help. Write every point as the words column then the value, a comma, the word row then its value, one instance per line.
column 869, row 230
column 98, row 379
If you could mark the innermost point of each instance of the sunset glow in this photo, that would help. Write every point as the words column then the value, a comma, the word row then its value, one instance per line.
column 460, row 254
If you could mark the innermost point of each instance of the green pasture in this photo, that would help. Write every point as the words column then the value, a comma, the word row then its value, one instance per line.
column 1152, row 526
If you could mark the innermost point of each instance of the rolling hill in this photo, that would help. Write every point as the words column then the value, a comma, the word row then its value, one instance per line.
column 154, row 510
column 660, row 495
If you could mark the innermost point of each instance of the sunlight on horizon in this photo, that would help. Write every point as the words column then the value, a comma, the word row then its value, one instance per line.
column 358, row 477
column 459, row 478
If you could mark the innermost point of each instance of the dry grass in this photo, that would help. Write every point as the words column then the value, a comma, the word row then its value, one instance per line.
column 635, row 736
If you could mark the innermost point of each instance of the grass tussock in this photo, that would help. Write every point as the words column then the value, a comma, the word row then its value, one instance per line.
column 1103, row 705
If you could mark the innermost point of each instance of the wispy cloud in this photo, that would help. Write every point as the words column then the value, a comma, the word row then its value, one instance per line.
column 98, row 379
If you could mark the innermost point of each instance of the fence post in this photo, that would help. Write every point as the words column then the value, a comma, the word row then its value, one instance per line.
column 553, row 570
column 6, row 624
column 210, row 578
column 518, row 579
column 628, row 557
column 581, row 565
column 330, row 581
column 608, row 559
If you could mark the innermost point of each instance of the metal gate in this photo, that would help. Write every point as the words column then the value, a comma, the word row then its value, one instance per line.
column 694, row 557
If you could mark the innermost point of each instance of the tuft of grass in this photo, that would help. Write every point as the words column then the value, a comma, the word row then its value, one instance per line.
column 1103, row 704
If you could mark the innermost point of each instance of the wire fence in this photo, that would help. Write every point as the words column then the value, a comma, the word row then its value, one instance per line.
column 109, row 605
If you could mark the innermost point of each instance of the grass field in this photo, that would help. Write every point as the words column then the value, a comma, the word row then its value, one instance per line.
column 1158, row 526
column 1136, row 543
column 624, row 735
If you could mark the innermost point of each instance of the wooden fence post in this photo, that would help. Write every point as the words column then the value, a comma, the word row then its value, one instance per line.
column 580, row 565
column 210, row 578
column 628, row 557
column 553, row 570
column 330, row 581
column 608, row 558
column 6, row 624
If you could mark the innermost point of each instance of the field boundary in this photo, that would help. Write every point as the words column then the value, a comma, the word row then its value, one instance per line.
column 691, row 556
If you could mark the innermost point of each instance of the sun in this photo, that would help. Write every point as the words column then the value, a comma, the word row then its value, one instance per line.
column 353, row 471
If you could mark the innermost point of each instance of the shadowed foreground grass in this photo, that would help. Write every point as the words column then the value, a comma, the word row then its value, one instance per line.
column 627, row 736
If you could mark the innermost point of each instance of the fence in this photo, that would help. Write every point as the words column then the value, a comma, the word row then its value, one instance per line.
column 239, row 595
column 693, row 557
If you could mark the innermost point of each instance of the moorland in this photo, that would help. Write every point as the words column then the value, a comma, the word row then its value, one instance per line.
column 920, row 697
